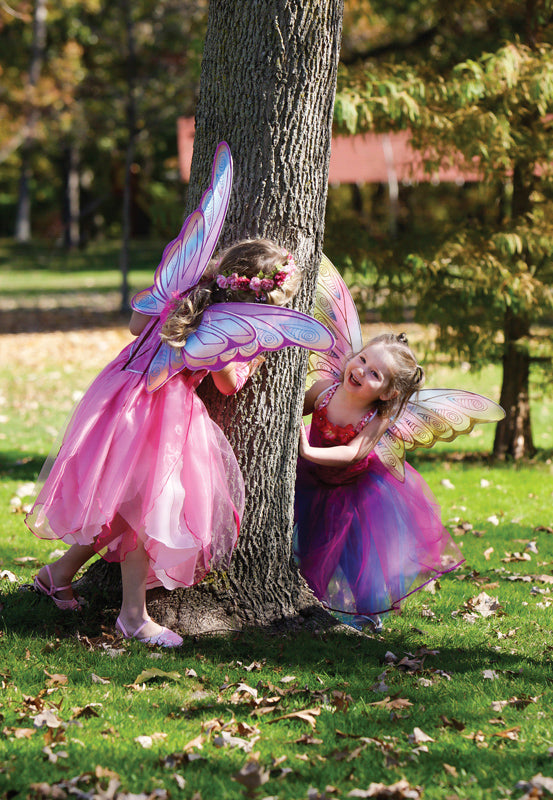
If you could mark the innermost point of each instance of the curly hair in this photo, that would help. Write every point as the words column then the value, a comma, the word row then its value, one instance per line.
column 248, row 258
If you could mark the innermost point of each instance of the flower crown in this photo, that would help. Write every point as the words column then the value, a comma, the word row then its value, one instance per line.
column 261, row 283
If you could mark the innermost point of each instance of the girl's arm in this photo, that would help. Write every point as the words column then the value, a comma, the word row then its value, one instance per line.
column 138, row 322
column 343, row 454
column 312, row 393
column 231, row 378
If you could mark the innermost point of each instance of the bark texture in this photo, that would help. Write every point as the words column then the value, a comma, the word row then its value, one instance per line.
column 267, row 88
column 513, row 435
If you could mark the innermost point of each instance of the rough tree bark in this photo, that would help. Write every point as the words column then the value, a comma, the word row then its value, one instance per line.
column 23, row 214
column 513, row 435
column 267, row 88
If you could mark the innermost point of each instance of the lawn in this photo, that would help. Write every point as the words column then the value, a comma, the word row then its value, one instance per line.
column 451, row 701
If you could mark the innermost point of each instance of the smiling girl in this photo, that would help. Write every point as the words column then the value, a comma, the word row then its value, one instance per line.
column 364, row 539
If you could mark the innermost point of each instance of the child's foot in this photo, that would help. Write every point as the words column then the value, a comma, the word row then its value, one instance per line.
column 150, row 632
column 365, row 620
column 62, row 596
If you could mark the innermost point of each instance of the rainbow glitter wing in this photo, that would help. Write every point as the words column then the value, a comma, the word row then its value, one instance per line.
column 334, row 308
column 238, row 332
column 185, row 258
column 433, row 415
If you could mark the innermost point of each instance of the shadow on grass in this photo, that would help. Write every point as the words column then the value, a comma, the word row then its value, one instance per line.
column 61, row 319
column 336, row 649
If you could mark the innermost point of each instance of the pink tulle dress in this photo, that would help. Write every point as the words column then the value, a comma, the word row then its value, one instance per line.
column 149, row 466
column 363, row 539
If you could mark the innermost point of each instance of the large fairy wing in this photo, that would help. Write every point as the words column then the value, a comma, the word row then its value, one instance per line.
column 185, row 258
column 208, row 345
column 238, row 332
column 275, row 327
column 432, row 415
column 335, row 308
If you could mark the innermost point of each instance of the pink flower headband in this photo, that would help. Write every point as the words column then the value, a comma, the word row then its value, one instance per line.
column 259, row 283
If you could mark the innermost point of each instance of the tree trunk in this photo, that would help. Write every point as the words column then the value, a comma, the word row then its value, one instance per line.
column 23, row 213
column 72, row 198
column 267, row 88
column 513, row 435
column 129, row 159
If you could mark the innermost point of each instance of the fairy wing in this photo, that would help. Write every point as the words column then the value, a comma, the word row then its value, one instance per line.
column 238, row 332
column 334, row 308
column 185, row 258
column 432, row 415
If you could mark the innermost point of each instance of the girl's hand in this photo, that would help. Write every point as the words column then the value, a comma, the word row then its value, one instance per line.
column 254, row 364
column 304, row 442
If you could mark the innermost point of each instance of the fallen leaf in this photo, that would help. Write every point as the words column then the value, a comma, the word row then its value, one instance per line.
column 152, row 673
column 253, row 774
column 516, row 557
column 55, row 680
column 48, row 718
column 452, row 723
column 509, row 733
column 306, row 715
column 402, row 790
column 418, row 736
column 539, row 782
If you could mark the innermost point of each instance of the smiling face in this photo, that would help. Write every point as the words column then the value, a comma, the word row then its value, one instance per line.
column 368, row 375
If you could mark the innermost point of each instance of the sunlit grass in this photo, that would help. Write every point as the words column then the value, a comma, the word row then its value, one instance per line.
column 477, row 687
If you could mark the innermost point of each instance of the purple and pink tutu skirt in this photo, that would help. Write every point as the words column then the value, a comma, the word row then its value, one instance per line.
column 363, row 540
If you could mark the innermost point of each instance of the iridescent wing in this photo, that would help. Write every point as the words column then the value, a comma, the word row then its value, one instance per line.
column 185, row 258
column 334, row 307
column 238, row 332
column 432, row 415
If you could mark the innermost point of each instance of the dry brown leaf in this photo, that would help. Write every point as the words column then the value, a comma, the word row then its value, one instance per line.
column 510, row 733
column 397, row 703
column 509, row 557
column 419, row 737
column 55, row 679
column 402, row 790
column 306, row 715
column 452, row 723
column 253, row 774
column 197, row 742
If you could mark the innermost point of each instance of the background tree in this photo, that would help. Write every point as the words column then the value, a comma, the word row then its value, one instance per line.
column 267, row 87
column 474, row 83
column 81, row 134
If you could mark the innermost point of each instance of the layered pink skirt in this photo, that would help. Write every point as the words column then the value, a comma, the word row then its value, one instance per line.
column 150, row 467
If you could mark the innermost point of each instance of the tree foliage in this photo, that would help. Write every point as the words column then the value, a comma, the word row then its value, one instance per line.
column 475, row 88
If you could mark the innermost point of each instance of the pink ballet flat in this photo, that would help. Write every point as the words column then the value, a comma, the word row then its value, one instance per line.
column 165, row 638
column 65, row 605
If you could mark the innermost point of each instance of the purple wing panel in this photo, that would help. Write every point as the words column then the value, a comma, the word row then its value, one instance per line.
column 217, row 340
column 335, row 308
column 180, row 261
column 185, row 258
column 215, row 200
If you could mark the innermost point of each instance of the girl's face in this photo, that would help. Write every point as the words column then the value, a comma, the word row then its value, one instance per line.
column 368, row 374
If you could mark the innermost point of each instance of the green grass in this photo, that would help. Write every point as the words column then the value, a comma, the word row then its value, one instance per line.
column 440, row 666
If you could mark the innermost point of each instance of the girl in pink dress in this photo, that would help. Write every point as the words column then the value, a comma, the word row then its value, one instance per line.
column 146, row 478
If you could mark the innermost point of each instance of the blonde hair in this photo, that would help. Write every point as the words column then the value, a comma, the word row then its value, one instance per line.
column 407, row 375
column 249, row 258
